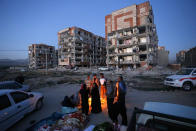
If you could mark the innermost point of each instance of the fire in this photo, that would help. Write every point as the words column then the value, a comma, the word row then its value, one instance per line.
column 89, row 102
column 103, row 102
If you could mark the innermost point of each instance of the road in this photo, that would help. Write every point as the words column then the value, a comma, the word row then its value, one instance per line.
column 134, row 98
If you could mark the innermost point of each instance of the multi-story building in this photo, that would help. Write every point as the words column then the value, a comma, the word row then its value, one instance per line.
column 131, row 37
column 190, row 58
column 78, row 47
column 163, row 56
column 41, row 56
column 180, row 57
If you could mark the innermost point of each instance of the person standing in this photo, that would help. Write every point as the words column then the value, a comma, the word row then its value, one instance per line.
column 84, row 92
column 88, row 82
column 95, row 80
column 96, row 103
column 110, row 99
column 103, row 86
column 119, row 100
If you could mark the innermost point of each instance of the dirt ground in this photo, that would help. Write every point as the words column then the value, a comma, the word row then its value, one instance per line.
column 142, row 86
column 138, row 79
column 134, row 98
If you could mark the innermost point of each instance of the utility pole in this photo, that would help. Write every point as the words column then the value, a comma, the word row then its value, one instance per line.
column 107, row 57
column 46, row 62
column 90, row 61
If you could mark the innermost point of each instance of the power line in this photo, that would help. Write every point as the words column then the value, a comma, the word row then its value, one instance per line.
column 14, row 50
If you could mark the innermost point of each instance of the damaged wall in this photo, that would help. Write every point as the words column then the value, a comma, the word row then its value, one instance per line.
column 131, row 36
column 78, row 47
column 40, row 54
column 163, row 56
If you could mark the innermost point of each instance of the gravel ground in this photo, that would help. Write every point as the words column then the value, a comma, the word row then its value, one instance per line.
column 135, row 98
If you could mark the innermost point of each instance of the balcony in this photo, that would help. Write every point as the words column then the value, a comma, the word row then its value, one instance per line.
column 125, row 53
column 78, row 52
column 143, row 52
column 112, row 54
column 129, row 62
column 112, row 62
column 110, row 46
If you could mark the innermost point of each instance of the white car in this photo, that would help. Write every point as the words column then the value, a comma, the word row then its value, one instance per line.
column 14, row 105
column 185, row 78
column 159, row 116
column 103, row 68
column 14, row 85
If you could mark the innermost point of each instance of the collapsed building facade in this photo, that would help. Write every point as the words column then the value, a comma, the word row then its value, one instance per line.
column 78, row 47
column 190, row 58
column 131, row 37
column 180, row 57
column 42, row 56
column 163, row 56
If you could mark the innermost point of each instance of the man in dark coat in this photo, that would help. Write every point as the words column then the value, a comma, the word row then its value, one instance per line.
column 119, row 100
column 110, row 99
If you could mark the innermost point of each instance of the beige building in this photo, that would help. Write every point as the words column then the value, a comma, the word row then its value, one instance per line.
column 42, row 56
column 163, row 56
column 180, row 57
column 78, row 47
column 131, row 37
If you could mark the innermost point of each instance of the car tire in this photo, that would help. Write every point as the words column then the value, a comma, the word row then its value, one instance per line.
column 187, row 86
column 39, row 104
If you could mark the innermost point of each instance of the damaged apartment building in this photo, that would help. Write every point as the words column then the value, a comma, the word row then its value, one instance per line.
column 42, row 56
column 131, row 36
column 78, row 47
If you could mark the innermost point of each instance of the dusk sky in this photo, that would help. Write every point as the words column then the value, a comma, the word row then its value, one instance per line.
column 23, row 22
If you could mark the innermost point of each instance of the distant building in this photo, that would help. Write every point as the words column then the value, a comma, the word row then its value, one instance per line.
column 163, row 56
column 190, row 58
column 78, row 47
column 131, row 36
column 56, row 57
column 18, row 68
column 41, row 55
column 180, row 57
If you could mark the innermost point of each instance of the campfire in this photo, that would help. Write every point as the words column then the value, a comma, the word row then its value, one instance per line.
column 103, row 102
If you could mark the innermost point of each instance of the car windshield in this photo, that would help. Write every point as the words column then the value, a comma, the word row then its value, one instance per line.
column 184, row 72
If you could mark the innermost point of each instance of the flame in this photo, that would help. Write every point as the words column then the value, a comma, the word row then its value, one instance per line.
column 103, row 103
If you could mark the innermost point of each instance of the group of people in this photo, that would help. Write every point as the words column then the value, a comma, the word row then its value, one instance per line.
column 113, row 93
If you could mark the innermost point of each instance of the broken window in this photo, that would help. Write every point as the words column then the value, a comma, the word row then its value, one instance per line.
column 143, row 57
column 142, row 29
column 120, row 42
column 150, row 19
column 142, row 48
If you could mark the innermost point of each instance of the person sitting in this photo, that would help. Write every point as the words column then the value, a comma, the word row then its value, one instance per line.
column 75, row 99
column 68, row 106
column 67, row 102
